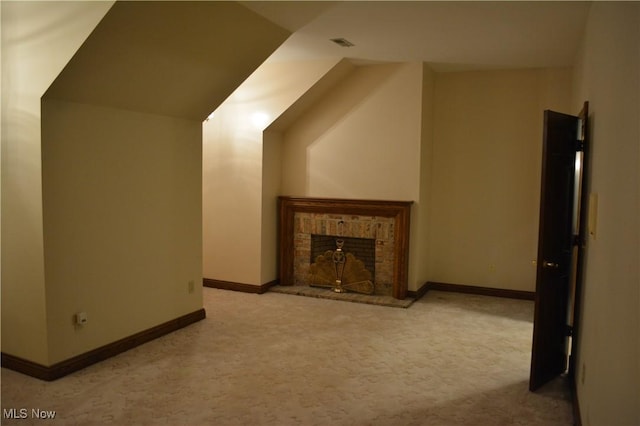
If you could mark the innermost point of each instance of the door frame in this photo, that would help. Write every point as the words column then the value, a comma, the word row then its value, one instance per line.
column 575, row 298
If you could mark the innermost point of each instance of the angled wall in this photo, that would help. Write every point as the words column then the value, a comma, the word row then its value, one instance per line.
column 361, row 140
column 241, row 174
column 38, row 39
column 180, row 59
column 121, row 202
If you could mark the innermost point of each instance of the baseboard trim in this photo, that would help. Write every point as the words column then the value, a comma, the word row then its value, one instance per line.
column 94, row 356
column 244, row 288
column 484, row 291
column 417, row 294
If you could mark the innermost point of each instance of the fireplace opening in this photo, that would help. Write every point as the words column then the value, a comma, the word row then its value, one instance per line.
column 363, row 249
column 338, row 268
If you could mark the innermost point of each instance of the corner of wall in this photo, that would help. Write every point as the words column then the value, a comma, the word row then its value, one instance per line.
column 34, row 51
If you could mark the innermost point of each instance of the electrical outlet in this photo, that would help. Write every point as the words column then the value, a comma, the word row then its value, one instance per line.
column 191, row 286
column 81, row 318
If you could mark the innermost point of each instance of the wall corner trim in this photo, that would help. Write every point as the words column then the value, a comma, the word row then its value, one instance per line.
column 94, row 356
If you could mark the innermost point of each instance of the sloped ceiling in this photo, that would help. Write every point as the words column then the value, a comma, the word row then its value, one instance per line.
column 170, row 58
column 450, row 35
column 311, row 96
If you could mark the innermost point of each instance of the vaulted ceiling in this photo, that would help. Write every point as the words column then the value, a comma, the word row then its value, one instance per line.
column 184, row 58
column 450, row 35
column 168, row 57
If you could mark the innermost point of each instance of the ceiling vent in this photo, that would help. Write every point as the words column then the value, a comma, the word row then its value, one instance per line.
column 342, row 42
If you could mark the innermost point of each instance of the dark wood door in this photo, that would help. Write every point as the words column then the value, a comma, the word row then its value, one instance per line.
column 555, row 248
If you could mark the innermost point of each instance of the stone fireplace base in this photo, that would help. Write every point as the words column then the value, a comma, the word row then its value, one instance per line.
column 386, row 223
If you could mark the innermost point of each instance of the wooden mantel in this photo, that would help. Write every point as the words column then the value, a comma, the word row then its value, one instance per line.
column 400, row 211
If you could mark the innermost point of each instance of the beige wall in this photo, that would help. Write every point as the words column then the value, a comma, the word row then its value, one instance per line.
column 486, row 174
column 232, row 190
column 362, row 140
column 466, row 149
column 271, row 184
column 122, row 222
column 241, row 172
column 103, row 213
column 608, row 76
column 34, row 50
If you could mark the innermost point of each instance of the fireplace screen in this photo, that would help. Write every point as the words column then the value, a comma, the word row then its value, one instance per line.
column 339, row 263
column 363, row 249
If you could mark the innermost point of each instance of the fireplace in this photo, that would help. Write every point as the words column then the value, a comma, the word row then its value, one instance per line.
column 375, row 233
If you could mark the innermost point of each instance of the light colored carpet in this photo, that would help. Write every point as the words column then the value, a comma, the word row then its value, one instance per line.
column 276, row 359
column 327, row 293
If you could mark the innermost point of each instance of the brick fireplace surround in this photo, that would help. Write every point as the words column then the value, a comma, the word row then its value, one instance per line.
column 387, row 222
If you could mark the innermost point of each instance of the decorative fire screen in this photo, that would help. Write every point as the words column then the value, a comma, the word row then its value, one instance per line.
column 363, row 249
column 341, row 271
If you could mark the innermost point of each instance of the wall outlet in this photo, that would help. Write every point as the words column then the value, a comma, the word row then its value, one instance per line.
column 81, row 318
column 191, row 286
